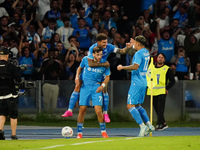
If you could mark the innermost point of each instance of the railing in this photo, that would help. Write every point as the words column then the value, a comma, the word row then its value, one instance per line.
column 183, row 97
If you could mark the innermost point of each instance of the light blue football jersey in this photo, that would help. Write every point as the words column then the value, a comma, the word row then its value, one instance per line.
column 106, row 51
column 95, row 74
column 141, row 57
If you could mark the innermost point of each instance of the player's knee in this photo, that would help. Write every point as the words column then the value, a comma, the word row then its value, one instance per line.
column 98, row 112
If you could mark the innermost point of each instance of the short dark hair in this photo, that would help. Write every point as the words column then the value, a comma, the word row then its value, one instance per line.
column 162, row 55
column 66, row 19
column 101, row 36
column 97, row 49
column 71, row 37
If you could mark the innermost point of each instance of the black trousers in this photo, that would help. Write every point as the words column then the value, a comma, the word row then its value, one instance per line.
column 159, row 107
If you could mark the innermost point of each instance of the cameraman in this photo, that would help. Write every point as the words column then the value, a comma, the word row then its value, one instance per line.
column 8, row 95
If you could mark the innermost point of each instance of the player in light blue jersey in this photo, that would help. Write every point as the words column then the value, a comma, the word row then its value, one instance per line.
column 102, row 42
column 138, row 86
column 92, row 87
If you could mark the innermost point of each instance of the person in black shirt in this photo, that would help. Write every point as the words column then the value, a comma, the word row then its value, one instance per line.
column 8, row 96
column 52, row 70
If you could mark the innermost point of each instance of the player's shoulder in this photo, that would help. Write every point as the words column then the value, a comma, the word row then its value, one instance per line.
column 103, row 60
column 85, row 58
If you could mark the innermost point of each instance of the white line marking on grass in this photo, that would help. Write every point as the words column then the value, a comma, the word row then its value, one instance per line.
column 89, row 142
column 49, row 147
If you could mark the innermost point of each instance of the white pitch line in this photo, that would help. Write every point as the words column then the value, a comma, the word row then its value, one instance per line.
column 89, row 142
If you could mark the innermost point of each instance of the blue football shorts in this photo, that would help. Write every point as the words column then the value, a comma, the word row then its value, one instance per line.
column 89, row 91
column 136, row 94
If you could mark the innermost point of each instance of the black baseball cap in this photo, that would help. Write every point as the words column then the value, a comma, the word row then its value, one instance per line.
column 4, row 51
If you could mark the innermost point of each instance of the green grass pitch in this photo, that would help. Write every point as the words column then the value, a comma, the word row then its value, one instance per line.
column 112, row 143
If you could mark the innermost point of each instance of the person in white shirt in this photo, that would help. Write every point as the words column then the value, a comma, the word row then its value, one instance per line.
column 65, row 32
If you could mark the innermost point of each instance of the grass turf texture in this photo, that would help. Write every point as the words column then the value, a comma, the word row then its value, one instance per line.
column 119, row 143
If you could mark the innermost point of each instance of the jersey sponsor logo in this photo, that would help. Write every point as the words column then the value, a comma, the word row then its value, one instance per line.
column 95, row 70
column 167, row 48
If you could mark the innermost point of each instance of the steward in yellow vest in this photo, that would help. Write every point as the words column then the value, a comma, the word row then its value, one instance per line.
column 164, row 81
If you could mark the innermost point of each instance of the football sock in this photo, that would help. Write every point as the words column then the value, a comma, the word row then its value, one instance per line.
column 143, row 113
column 102, row 127
column 73, row 99
column 136, row 115
column 79, row 128
column 105, row 102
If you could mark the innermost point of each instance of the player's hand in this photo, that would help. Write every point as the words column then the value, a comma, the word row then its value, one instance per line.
column 129, row 45
column 99, row 89
column 132, row 41
column 119, row 67
column 166, row 92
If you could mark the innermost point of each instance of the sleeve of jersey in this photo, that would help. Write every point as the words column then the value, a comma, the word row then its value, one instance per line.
column 138, row 58
column 107, row 72
column 82, row 65
column 90, row 56
column 112, row 48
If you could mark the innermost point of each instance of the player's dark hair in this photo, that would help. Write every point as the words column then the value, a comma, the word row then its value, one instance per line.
column 101, row 36
column 97, row 49
column 162, row 55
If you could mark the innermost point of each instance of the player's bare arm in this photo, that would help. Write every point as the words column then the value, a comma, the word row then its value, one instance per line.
column 96, row 64
column 103, row 84
column 131, row 67
column 77, row 79
column 125, row 50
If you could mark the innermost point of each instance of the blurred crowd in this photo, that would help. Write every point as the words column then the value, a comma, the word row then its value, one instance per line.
column 52, row 36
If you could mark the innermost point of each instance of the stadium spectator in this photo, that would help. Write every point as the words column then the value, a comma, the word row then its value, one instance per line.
column 192, row 47
column 88, row 20
column 197, row 72
column 181, row 64
column 182, row 14
column 54, row 13
column 53, row 41
column 52, row 70
column 48, row 31
column 83, row 34
column 65, row 32
column 71, row 60
column 166, row 44
column 42, row 6
column 108, row 21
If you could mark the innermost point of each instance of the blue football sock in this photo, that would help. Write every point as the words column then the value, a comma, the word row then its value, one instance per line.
column 105, row 101
column 79, row 128
column 143, row 113
column 136, row 115
column 73, row 99
column 102, row 127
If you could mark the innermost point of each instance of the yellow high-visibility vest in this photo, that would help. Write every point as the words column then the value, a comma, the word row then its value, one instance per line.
column 159, row 88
